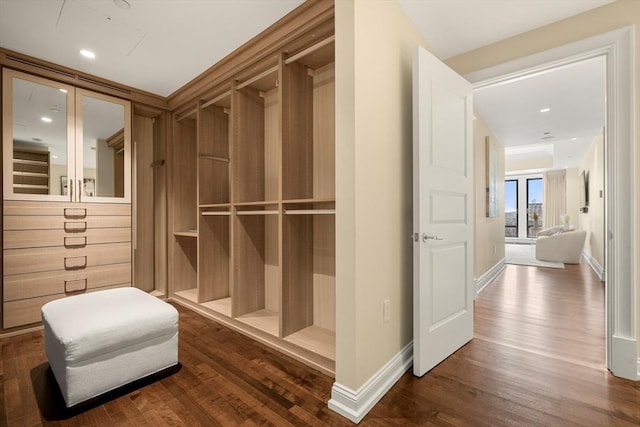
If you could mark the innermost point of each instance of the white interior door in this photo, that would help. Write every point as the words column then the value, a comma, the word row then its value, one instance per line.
column 443, row 212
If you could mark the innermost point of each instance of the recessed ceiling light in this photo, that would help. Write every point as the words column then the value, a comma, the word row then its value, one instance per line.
column 87, row 54
column 63, row 90
column 573, row 139
column 122, row 4
column 54, row 157
column 46, row 119
column 545, row 110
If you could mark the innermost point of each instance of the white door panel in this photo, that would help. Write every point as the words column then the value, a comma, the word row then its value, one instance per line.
column 443, row 221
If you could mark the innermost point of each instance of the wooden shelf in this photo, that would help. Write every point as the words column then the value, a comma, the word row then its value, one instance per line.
column 222, row 306
column 188, row 294
column 263, row 203
column 186, row 233
column 316, row 339
column 265, row 320
column 255, row 170
column 215, row 205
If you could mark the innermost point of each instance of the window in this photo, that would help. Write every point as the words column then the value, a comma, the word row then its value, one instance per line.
column 522, row 206
column 534, row 206
column 511, row 208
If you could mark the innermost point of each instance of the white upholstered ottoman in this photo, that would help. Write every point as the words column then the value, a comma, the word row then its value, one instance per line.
column 99, row 341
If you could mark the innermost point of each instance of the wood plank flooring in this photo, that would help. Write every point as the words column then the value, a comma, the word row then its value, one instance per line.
column 537, row 359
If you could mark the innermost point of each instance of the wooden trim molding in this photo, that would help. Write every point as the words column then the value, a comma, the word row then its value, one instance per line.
column 49, row 70
column 298, row 27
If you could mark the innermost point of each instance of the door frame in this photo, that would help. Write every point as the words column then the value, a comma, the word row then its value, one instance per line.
column 620, row 187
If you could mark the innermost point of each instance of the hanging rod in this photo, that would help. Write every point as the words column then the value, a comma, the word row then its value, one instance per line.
column 215, row 213
column 258, row 77
column 157, row 164
column 186, row 114
column 310, row 49
column 257, row 213
column 310, row 212
column 216, row 99
column 208, row 157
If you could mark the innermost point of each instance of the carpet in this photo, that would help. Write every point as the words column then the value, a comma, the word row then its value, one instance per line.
column 526, row 255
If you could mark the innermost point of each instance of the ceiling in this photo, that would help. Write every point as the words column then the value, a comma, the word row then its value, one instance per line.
column 155, row 45
column 159, row 45
column 575, row 95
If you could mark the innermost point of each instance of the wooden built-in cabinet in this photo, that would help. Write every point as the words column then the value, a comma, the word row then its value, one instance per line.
column 253, row 205
column 53, row 249
column 66, row 203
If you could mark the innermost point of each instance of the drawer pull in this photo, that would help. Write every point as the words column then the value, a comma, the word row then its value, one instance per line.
column 75, row 212
column 75, row 242
column 76, row 285
column 75, row 263
column 75, row 227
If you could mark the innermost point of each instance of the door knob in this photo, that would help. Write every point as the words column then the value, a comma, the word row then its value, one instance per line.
column 426, row 237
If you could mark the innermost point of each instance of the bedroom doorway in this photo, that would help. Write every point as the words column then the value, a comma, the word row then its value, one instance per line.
column 618, row 196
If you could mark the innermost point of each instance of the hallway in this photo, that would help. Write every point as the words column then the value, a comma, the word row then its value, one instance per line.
column 537, row 358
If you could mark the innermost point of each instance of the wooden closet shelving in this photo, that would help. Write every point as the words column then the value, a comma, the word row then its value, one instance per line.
column 254, row 203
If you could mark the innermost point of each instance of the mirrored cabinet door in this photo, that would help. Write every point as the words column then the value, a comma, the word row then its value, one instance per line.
column 38, row 137
column 103, row 142
column 64, row 143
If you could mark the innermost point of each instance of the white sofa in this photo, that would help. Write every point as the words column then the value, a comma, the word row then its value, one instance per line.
column 556, row 245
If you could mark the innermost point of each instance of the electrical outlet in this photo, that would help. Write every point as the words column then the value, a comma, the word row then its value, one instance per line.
column 386, row 310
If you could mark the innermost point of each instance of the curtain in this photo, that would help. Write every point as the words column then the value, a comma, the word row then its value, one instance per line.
column 554, row 197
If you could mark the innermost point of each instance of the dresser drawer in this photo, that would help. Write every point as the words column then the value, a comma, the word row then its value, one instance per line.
column 27, row 311
column 20, row 239
column 68, row 210
column 33, row 222
column 32, row 285
column 34, row 260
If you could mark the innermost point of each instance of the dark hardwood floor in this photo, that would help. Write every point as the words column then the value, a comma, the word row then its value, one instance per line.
column 537, row 359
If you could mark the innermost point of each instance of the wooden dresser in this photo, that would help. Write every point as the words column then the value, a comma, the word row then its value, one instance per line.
column 52, row 250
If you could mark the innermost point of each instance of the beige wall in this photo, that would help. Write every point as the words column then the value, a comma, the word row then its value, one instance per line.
column 489, row 232
column 545, row 162
column 618, row 14
column 573, row 196
column 593, row 220
column 375, row 42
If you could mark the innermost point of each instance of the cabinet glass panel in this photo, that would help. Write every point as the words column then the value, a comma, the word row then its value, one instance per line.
column 37, row 153
column 103, row 147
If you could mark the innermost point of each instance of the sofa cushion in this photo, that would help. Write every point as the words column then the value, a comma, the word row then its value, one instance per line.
column 93, row 324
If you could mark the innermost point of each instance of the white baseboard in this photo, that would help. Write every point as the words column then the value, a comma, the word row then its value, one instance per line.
column 625, row 358
column 485, row 280
column 595, row 266
column 354, row 405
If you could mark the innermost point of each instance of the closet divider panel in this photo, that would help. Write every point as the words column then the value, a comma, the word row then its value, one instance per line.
column 214, row 257
column 249, row 145
column 144, row 267
column 185, row 207
column 297, row 281
column 324, row 131
column 297, row 135
column 213, row 156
